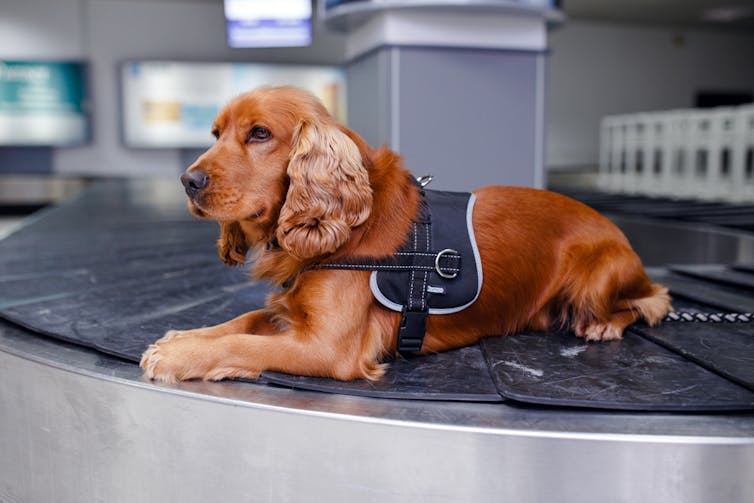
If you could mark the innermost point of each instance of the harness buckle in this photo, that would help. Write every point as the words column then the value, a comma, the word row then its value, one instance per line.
column 438, row 269
column 411, row 331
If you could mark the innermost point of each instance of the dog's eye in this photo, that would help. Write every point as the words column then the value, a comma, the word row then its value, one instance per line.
column 259, row 133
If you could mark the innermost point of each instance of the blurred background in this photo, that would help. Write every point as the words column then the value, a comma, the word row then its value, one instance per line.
column 128, row 88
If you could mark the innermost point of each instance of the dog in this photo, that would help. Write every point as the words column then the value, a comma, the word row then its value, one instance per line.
column 285, row 181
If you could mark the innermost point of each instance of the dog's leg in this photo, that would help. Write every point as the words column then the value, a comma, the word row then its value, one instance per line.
column 260, row 321
column 651, row 309
column 608, row 290
column 239, row 355
column 330, row 333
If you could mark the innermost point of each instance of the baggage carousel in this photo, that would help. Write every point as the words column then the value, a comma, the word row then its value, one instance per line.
column 80, row 292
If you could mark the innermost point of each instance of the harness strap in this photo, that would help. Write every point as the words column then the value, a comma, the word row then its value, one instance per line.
column 414, row 316
column 420, row 261
column 446, row 262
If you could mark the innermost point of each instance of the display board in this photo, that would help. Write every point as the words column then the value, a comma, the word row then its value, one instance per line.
column 43, row 103
column 173, row 104
column 262, row 23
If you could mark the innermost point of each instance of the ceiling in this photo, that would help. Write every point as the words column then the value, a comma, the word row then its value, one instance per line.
column 719, row 14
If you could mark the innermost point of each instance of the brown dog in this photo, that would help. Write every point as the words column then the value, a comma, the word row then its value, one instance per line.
column 285, row 180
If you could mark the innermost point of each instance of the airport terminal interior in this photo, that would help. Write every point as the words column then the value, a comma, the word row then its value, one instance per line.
column 120, row 118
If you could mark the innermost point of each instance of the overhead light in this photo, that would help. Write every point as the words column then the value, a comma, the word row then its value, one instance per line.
column 727, row 14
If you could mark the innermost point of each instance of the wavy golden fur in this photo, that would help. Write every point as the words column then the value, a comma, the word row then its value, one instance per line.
column 287, row 182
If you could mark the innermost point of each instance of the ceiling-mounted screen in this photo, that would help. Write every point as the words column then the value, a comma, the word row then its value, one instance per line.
column 173, row 104
column 43, row 103
column 266, row 23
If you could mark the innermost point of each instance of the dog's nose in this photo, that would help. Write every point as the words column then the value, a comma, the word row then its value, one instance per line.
column 194, row 181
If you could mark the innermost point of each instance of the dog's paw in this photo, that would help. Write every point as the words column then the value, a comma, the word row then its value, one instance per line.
column 183, row 357
column 600, row 332
column 171, row 360
column 149, row 361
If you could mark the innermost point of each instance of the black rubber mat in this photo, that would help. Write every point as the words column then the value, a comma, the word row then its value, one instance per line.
column 714, row 296
column 718, row 273
column 460, row 375
column 743, row 267
column 726, row 349
column 117, row 267
column 737, row 216
column 630, row 374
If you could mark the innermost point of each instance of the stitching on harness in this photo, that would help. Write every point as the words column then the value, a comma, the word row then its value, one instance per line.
column 411, row 291
column 368, row 267
column 426, row 274
column 413, row 274
column 424, row 290
column 447, row 255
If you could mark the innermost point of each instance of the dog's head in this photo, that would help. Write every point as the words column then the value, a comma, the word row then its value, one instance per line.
column 283, row 167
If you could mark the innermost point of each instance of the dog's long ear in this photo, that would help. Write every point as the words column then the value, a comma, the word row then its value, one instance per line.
column 232, row 245
column 329, row 191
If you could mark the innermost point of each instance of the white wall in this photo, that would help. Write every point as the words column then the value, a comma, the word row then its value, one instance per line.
column 106, row 32
column 41, row 29
column 598, row 69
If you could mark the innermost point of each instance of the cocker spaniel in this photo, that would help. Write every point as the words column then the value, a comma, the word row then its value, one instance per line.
column 305, row 194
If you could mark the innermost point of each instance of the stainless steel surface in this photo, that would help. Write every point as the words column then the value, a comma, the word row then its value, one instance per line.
column 660, row 242
column 76, row 426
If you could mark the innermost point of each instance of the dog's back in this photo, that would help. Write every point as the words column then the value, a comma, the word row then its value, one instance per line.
column 550, row 261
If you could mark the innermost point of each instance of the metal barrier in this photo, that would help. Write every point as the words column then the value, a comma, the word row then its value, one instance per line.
column 705, row 154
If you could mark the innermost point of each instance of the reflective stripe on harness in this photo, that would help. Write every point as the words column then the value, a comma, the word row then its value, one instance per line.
column 436, row 271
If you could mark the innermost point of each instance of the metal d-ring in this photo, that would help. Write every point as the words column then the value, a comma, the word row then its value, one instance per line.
column 437, row 264
column 423, row 181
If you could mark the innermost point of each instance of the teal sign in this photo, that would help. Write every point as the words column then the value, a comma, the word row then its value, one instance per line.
column 42, row 103
column 41, row 87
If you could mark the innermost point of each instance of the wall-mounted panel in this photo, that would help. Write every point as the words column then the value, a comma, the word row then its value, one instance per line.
column 43, row 103
column 173, row 104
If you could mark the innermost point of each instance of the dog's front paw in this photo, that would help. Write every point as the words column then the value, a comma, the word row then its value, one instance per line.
column 171, row 360
column 149, row 360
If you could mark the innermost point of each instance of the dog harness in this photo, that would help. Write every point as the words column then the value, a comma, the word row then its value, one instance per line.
column 436, row 271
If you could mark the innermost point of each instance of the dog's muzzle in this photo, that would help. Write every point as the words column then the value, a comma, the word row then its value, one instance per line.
column 194, row 182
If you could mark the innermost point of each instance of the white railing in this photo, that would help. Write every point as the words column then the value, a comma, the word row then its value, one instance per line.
column 704, row 154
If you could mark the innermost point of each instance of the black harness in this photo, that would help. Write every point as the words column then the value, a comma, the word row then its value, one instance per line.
column 436, row 271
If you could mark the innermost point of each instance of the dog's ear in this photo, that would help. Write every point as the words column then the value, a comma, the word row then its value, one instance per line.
column 232, row 245
column 329, row 191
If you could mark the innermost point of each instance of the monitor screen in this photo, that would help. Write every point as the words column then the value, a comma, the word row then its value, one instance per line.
column 43, row 103
column 265, row 23
column 169, row 104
